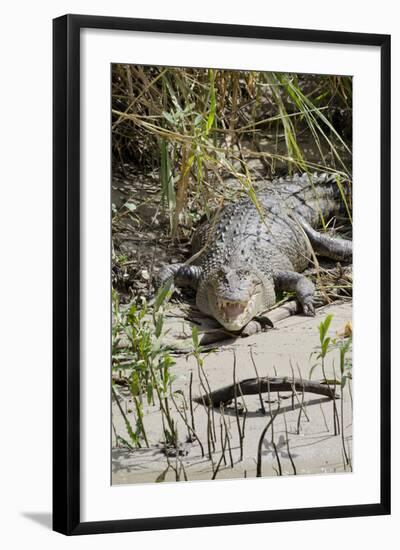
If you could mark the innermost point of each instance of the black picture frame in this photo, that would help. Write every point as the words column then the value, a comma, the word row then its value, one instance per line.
column 66, row 273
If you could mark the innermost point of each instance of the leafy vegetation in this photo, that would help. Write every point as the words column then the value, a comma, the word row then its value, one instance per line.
column 143, row 362
column 197, row 128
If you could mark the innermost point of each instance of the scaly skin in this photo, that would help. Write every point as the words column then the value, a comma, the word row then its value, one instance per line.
column 245, row 257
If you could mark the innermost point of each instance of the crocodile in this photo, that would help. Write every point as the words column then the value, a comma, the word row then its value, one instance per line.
column 252, row 249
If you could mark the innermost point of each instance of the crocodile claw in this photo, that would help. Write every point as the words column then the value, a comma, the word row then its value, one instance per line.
column 308, row 308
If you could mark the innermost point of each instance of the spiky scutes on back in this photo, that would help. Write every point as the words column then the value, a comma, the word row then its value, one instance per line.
column 241, row 249
column 311, row 196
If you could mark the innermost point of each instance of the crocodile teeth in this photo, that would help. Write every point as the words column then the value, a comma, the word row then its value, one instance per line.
column 232, row 310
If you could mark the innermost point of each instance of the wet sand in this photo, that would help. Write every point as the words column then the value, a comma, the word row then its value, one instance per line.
column 303, row 439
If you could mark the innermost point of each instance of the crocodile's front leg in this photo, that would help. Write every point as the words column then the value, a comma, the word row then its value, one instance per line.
column 180, row 274
column 334, row 248
column 303, row 287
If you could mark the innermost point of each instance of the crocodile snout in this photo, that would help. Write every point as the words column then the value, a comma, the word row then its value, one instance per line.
column 231, row 310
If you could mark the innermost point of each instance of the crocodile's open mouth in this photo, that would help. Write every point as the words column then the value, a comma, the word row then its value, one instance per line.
column 233, row 315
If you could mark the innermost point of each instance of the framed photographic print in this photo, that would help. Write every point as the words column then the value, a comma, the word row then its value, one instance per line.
column 221, row 274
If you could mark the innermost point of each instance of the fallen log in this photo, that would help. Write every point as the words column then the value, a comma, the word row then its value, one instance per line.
column 254, row 386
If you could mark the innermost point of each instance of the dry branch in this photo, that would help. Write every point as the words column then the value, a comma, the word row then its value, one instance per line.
column 253, row 386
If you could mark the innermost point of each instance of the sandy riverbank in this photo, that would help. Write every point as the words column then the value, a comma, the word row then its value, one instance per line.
column 303, row 438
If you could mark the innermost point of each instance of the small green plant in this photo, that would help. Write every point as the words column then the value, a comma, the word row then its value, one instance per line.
column 329, row 344
column 144, row 360
column 342, row 344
